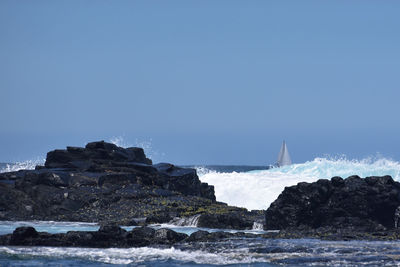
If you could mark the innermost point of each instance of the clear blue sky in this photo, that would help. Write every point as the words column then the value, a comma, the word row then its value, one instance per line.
column 219, row 82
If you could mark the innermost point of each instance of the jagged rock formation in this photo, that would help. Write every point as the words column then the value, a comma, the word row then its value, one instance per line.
column 106, row 183
column 361, row 204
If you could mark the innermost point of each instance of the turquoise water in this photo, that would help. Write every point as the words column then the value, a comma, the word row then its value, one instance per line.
column 7, row 227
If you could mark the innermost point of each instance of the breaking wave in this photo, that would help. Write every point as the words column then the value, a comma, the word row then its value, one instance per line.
column 238, row 252
column 258, row 189
column 22, row 165
column 147, row 146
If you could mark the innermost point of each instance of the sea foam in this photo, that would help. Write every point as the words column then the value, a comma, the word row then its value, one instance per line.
column 133, row 255
column 258, row 189
column 22, row 165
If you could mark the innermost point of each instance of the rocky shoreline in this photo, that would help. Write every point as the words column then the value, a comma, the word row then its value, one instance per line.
column 112, row 186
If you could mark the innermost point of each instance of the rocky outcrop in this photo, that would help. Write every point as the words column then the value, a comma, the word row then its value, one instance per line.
column 106, row 237
column 361, row 204
column 104, row 183
column 101, row 182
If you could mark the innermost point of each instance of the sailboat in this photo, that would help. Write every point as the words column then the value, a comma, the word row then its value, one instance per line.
column 283, row 157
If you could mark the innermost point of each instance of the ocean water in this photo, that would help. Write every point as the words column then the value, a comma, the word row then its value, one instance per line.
column 253, row 187
column 234, row 252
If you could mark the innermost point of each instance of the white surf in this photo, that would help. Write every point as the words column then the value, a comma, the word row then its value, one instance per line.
column 258, row 189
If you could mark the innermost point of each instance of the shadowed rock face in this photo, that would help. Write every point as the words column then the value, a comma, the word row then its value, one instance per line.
column 233, row 220
column 363, row 204
column 101, row 182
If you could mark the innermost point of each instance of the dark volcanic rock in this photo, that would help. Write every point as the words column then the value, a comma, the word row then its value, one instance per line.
column 355, row 203
column 204, row 236
column 167, row 236
column 158, row 218
column 106, row 183
column 82, row 158
column 141, row 236
column 113, row 236
column 225, row 221
column 23, row 235
column 181, row 178
column 107, row 236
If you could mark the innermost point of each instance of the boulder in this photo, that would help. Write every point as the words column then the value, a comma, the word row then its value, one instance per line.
column 233, row 220
column 109, row 236
column 364, row 204
column 204, row 236
column 167, row 236
column 23, row 235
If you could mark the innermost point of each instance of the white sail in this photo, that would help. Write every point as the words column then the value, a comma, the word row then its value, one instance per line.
column 284, row 157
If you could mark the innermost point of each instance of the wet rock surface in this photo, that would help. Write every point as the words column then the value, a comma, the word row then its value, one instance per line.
column 106, row 183
column 336, row 208
column 106, row 237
